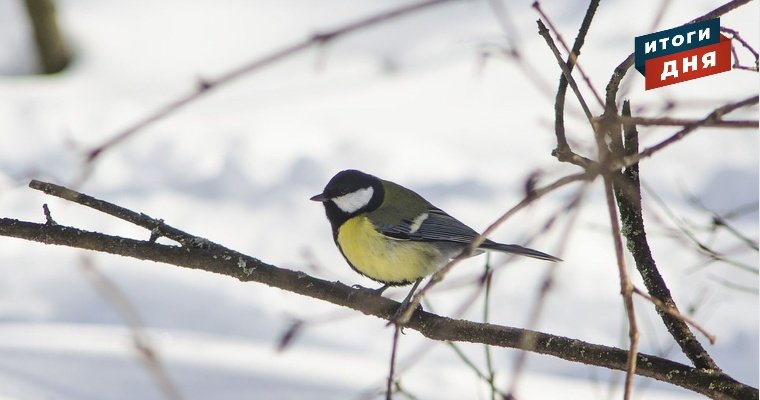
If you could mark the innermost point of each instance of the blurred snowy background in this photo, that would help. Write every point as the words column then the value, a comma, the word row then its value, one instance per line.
column 410, row 101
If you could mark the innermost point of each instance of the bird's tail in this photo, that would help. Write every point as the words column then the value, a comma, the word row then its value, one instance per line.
column 519, row 250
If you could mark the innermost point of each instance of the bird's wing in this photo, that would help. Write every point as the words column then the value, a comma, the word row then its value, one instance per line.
column 435, row 225
column 431, row 226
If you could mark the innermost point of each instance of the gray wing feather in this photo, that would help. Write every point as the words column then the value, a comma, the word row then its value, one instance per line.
column 438, row 226
column 441, row 227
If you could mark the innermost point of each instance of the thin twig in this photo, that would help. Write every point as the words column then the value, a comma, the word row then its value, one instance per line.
column 667, row 121
column 205, row 86
column 124, row 306
column 613, row 133
column 714, row 116
column 440, row 274
column 48, row 217
column 749, row 208
column 563, row 151
column 544, row 32
column 487, row 280
column 675, row 313
column 741, row 40
column 735, row 35
column 392, row 368
column 511, row 34
column 699, row 245
column 139, row 219
column 574, row 208
column 480, row 291
column 735, row 286
column 719, row 220
column 488, row 379
column 572, row 55
column 626, row 289
column 660, row 14
column 512, row 51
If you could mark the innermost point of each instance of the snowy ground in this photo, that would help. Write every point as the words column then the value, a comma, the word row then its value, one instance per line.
column 238, row 167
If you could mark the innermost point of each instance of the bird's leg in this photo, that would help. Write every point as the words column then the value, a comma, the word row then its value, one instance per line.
column 405, row 303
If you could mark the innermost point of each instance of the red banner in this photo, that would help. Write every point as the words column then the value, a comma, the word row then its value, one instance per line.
column 688, row 65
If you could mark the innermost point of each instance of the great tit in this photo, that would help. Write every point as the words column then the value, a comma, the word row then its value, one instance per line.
column 394, row 236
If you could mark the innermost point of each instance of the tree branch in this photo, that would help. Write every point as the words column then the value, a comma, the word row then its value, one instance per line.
column 628, row 195
column 563, row 149
column 248, row 269
column 572, row 55
column 713, row 117
column 529, row 198
column 607, row 153
column 667, row 121
column 206, row 85
column 566, row 71
column 156, row 227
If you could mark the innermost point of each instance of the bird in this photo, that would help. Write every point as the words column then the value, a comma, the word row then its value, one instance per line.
column 394, row 236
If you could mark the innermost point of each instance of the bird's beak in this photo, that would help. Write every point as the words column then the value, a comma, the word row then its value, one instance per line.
column 320, row 197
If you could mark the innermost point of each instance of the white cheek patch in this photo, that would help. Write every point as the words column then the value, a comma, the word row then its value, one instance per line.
column 417, row 222
column 353, row 201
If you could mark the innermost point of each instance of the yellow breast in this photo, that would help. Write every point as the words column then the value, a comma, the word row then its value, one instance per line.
column 385, row 259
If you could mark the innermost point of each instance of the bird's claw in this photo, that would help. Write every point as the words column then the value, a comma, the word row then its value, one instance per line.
column 399, row 313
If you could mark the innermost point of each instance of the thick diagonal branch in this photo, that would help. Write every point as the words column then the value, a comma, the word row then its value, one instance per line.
column 628, row 195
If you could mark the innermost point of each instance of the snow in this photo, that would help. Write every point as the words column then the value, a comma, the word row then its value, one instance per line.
column 408, row 101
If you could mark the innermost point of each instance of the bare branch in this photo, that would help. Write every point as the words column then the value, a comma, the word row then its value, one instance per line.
column 563, row 151
column 699, row 245
column 572, row 55
column 155, row 226
column 628, row 194
column 713, row 117
column 747, row 46
column 512, row 50
column 48, row 217
column 207, row 85
column 489, row 380
column 660, row 14
column 666, row 121
column 721, row 221
column 142, row 344
column 573, row 208
column 626, row 287
column 392, row 368
column 218, row 259
column 440, row 274
column 487, row 280
column 544, row 32
column 675, row 313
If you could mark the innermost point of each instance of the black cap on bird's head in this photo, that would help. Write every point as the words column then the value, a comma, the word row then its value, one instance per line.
column 350, row 192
